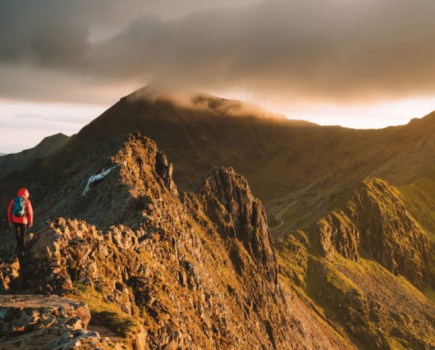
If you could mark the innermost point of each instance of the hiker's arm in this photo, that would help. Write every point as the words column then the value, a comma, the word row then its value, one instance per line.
column 29, row 211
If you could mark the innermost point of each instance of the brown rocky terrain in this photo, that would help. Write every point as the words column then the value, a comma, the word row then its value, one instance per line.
column 162, row 268
column 191, row 270
column 45, row 322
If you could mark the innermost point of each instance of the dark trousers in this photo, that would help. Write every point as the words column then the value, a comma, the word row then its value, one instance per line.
column 20, row 232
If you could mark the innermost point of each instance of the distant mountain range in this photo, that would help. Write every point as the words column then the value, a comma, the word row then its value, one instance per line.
column 22, row 160
column 350, row 214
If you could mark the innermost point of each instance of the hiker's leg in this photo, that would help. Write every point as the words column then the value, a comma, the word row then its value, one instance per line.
column 17, row 236
column 20, row 230
column 23, row 236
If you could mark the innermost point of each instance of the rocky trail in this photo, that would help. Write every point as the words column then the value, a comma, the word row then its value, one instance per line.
column 45, row 322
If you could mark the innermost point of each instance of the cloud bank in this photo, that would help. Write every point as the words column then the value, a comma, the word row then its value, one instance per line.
column 342, row 51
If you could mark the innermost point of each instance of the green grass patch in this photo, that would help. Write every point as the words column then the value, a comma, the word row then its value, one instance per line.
column 293, row 256
column 373, row 271
column 419, row 197
column 107, row 314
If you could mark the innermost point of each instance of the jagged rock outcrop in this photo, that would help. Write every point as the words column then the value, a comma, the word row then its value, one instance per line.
column 118, row 197
column 227, row 198
column 9, row 273
column 375, row 223
column 190, row 271
column 347, row 263
column 36, row 322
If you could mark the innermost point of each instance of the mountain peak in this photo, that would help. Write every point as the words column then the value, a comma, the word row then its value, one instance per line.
column 226, row 195
column 199, row 101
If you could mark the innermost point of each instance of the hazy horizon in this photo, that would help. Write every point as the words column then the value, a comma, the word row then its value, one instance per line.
column 62, row 118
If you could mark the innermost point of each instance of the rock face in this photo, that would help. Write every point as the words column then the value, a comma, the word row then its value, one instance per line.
column 9, row 272
column 227, row 198
column 164, row 270
column 375, row 223
column 347, row 262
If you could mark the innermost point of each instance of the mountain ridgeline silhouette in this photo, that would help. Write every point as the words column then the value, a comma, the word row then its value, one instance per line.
column 19, row 161
column 148, row 216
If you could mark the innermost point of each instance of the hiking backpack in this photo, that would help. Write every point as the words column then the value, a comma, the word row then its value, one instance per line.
column 19, row 206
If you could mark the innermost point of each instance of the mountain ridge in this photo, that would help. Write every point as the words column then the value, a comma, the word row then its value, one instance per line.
column 20, row 161
column 325, row 262
column 196, row 270
column 347, row 262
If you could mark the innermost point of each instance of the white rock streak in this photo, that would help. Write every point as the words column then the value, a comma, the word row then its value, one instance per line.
column 100, row 176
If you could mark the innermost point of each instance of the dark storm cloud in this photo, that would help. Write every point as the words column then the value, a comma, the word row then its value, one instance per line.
column 321, row 49
column 55, row 33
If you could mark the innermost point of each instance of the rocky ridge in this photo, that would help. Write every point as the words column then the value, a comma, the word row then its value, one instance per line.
column 345, row 266
column 375, row 223
column 168, row 270
column 353, row 263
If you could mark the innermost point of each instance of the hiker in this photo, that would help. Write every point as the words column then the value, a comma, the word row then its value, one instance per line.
column 20, row 214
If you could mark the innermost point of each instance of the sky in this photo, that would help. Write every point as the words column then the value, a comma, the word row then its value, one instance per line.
column 362, row 64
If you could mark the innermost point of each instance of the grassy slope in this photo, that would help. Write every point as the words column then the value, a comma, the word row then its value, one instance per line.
column 419, row 196
column 380, row 306
column 116, row 320
column 362, row 299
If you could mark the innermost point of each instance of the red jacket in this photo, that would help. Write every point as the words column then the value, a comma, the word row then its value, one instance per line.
column 28, row 219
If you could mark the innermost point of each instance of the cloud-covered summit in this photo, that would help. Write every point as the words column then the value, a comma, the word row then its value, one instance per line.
column 331, row 50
